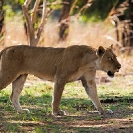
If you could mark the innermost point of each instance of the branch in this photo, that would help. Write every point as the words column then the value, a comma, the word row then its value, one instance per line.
column 35, row 10
column 29, row 25
column 73, row 5
column 26, row 3
column 43, row 19
column 34, row 39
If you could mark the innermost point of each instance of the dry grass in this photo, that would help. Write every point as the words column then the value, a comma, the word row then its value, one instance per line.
column 79, row 33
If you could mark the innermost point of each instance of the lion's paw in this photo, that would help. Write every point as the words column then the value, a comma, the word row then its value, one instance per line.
column 23, row 111
column 109, row 111
column 59, row 113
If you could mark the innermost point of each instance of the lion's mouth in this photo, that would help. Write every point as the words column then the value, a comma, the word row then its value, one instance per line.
column 110, row 74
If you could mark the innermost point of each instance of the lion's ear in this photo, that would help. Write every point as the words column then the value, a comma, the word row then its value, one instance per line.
column 100, row 51
column 111, row 46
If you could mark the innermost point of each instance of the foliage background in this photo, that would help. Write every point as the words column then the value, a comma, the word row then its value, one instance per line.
column 98, row 11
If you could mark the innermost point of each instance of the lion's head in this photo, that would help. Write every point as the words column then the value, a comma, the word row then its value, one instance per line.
column 107, row 61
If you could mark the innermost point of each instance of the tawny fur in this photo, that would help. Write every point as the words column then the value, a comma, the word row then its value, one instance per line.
column 60, row 65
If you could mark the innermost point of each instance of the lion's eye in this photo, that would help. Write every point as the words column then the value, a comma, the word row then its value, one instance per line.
column 110, row 58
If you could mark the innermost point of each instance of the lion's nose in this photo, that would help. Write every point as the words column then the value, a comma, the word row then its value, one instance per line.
column 119, row 66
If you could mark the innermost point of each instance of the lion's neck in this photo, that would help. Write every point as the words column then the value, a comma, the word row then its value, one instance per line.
column 97, row 65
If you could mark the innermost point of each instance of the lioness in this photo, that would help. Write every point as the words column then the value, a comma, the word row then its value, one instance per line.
column 61, row 65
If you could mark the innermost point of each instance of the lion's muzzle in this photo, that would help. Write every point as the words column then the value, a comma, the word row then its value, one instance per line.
column 110, row 74
column 118, row 67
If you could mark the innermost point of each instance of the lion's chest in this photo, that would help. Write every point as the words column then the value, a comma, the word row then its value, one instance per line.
column 80, row 72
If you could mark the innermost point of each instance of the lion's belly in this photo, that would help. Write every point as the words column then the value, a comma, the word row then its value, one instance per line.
column 45, row 77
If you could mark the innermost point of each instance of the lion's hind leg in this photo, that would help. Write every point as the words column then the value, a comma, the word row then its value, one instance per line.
column 58, row 90
column 17, row 87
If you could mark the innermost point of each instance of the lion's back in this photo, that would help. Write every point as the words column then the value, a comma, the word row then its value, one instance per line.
column 76, row 56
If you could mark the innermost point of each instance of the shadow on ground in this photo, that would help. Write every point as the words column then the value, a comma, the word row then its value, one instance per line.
column 81, row 116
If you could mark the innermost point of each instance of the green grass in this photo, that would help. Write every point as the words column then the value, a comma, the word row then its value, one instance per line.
column 74, row 101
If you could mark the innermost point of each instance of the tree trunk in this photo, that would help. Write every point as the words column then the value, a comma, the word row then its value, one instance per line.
column 64, row 19
column 131, row 21
column 1, row 23
column 34, row 37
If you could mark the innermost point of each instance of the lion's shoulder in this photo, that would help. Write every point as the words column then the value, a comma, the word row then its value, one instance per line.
column 80, row 52
column 77, row 56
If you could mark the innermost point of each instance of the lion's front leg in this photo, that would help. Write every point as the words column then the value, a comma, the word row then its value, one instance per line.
column 58, row 90
column 89, row 84
column 90, row 87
